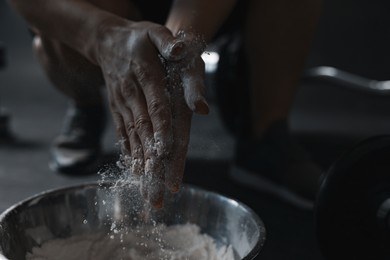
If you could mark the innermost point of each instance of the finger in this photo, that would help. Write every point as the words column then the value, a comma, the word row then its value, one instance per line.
column 153, row 86
column 137, row 158
column 137, row 162
column 168, row 46
column 120, row 130
column 194, row 88
column 142, row 122
column 182, row 116
column 152, row 181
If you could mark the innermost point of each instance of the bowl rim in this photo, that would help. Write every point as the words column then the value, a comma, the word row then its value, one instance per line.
column 259, row 222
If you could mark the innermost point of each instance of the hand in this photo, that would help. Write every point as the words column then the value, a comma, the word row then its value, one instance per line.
column 152, row 104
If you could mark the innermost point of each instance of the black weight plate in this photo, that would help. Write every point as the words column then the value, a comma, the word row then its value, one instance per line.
column 347, row 203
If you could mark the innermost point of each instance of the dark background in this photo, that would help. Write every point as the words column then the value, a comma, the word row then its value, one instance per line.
column 353, row 35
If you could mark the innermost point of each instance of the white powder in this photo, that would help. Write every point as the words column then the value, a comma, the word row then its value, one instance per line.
column 178, row 242
column 147, row 242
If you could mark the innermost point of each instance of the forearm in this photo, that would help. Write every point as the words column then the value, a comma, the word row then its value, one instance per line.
column 200, row 16
column 78, row 24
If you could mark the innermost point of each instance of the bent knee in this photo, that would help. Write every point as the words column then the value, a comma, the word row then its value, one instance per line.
column 49, row 52
column 65, row 64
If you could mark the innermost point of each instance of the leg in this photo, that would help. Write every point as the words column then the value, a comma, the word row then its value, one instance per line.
column 76, row 150
column 277, row 40
column 70, row 72
column 278, row 37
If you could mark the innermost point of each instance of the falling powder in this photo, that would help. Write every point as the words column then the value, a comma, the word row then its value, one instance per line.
column 119, row 241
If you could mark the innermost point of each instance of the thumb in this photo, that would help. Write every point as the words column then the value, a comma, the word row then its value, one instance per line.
column 194, row 88
column 169, row 47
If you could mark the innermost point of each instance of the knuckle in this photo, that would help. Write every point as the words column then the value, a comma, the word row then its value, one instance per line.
column 165, row 124
column 145, row 74
column 142, row 123
column 141, row 73
column 137, row 151
column 129, row 91
column 114, row 99
column 157, row 108
column 130, row 128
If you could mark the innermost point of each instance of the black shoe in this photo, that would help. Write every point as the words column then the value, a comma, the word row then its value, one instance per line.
column 279, row 166
column 77, row 149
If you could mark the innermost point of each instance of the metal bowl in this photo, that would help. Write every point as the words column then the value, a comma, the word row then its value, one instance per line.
column 92, row 207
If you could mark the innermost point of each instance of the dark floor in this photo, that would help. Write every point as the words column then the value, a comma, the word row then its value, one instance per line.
column 327, row 119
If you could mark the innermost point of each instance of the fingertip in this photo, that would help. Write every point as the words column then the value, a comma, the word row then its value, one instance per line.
column 202, row 107
column 173, row 182
column 174, row 187
column 156, row 195
column 157, row 202
column 176, row 50
column 194, row 95
column 154, row 180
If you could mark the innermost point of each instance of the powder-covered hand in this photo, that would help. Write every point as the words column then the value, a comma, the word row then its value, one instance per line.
column 155, row 81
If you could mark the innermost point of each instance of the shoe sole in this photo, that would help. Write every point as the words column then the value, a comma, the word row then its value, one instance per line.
column 263, row 184
column 86, row 168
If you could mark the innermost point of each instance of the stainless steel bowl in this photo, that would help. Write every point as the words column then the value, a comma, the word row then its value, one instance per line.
column 92, row 207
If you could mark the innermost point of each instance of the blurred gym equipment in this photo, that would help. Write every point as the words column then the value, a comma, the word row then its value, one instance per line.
column 342, row 78
column 5, row 134
column 2, row 55
column 353, row 205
